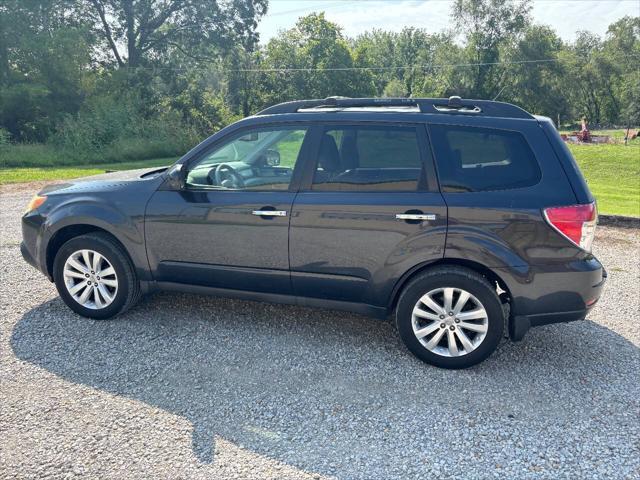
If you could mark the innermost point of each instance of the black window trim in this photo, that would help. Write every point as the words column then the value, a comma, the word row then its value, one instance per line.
column 424, row 147
column 444, row 189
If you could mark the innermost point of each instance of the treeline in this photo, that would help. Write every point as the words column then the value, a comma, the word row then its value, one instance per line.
column 111, row 80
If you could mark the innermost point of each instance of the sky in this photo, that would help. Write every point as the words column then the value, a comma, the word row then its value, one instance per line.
column 356, row 16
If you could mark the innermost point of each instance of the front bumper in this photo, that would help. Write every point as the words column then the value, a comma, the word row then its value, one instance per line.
column 26, row 254
column 31, row 244
column 519, row 324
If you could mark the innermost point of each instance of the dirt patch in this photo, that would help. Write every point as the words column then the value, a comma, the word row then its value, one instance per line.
column 33, row 187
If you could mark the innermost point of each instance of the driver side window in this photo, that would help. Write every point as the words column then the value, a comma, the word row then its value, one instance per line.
column 259, row 159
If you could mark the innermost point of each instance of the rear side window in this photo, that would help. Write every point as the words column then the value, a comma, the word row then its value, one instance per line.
column 480, row 159
column 369, row 158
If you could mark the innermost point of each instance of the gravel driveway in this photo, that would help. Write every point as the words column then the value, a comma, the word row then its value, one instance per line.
column 185, row 386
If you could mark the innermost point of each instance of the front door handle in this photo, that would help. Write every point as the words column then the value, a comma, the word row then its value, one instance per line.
column 270, row 213
column 415, row 216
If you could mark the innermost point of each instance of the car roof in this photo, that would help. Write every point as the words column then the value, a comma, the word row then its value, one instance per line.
column 453, row 106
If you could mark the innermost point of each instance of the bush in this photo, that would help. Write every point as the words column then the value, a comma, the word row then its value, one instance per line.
column 103, row 121
column 30, row 155
column 111, row 129
column 22, row 111
column 106, row 135
column 5, row 137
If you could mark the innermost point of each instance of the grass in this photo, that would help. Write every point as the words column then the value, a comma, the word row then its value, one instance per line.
column 19, row 175
column 613, row 174
column 289, row 147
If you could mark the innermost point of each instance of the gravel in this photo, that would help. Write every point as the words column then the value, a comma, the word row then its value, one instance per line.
column 185, row 386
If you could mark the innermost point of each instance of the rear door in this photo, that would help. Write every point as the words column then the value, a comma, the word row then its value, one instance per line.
column 368, row 211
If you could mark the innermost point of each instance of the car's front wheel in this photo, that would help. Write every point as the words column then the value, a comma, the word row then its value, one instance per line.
column 450, row 317
column 94, row 276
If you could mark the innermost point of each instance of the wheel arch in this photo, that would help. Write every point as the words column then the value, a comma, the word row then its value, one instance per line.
column 64, row 234
column 486, row 272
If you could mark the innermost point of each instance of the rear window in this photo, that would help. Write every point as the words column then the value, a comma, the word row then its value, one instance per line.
column 474, row 159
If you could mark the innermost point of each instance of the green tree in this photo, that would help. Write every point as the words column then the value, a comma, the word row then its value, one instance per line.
column 148, row 29
column 442, row 78
column 242, row 82
column 588, row 82
column 406, row 56
column 44, row 51
column 537, row 86
column 622, row 46
column 309, row 49
column 489, row 28
column 395, row 88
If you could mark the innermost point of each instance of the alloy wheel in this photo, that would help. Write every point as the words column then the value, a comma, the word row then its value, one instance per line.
column 450, row 322
column 90, row 279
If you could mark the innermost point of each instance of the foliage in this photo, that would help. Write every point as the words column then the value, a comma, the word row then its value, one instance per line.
column 395, row 89
column 151, row 30
column 529, row 80
column 489, row 27
column 5, row 136
column 43, row 55
column 623, row 38
column 313, row 45
column 85, row 81
column 389, row 54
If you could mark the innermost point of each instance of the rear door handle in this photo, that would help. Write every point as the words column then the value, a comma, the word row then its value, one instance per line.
column 415, row 216
column 270, row 213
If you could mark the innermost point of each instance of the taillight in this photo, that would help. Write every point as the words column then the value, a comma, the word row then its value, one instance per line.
column 576, row 222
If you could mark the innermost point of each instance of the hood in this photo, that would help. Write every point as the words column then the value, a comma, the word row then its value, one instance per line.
column 104, row 181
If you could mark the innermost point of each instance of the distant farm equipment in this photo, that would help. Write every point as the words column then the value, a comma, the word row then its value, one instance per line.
column 585, row 136
column 577, row 137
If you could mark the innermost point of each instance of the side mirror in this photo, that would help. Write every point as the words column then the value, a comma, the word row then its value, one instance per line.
column 176, row 177
column 272, row 158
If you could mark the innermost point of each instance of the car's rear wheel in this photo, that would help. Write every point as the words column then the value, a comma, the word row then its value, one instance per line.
column 450, row 317
column 95, row 277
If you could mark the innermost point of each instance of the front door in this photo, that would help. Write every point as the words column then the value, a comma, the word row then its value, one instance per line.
column 369, row 210
column 228, row 228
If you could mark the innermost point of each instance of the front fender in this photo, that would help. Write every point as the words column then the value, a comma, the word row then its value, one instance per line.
column 89, row 210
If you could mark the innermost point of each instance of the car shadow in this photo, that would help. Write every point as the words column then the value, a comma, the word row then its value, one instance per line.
column 299, row 384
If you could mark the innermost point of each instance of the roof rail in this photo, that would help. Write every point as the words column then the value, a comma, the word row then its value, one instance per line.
column 452, row 105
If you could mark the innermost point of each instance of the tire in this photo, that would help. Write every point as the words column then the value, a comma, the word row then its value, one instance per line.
column 430, row 286
column 123, row 296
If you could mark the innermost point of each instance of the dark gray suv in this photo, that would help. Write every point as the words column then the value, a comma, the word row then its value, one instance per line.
column 461, row 217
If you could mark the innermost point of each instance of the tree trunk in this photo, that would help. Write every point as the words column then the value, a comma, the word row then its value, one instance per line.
column 4, row 55
column 133, row 53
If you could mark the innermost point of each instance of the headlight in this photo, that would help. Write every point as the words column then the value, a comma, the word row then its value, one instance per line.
column 35, row 202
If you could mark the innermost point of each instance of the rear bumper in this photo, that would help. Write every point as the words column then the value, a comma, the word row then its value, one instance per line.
column 587, row 293
column 519, row 325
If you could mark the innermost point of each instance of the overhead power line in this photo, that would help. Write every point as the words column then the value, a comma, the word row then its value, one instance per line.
column 346, row 69
column 401, row 67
